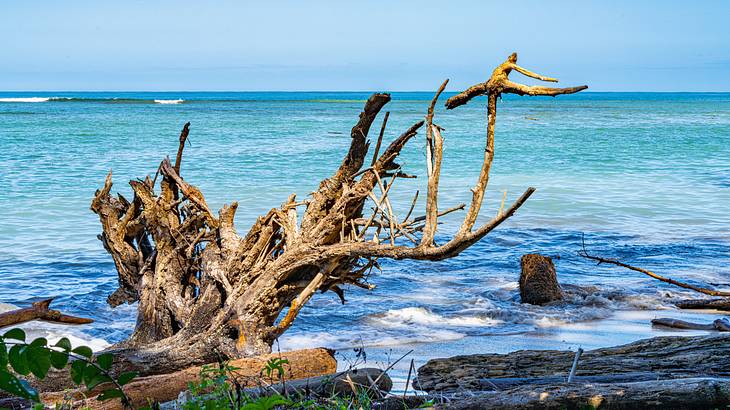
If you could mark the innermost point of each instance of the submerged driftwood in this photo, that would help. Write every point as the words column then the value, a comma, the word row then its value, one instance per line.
column 672, row 357
column 711, row 292
column 718, row 304
column 721, row 325
column 205, row 292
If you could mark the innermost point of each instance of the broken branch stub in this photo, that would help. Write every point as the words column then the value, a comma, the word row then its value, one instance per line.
column 206, row 292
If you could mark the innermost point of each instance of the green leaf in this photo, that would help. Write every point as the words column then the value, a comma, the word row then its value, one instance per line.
column 17, row 359
column 110, row 394
column 97, row 380
column 41, row 341
column 90, row 373
column 77, row 371
column 83, row 351
column 125, row 378
column 105, row 360
column 3, row 355
column 16, row 334
column 39, row 360
column 59, row 359
column 64, row 344
column 9, row 383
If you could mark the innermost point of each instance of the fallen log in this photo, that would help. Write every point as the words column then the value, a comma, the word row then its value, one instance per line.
column 373, row 381
column 721, row 325
column 690, row 393
column 39, row 311
column 719, row 304
column 166, row 387
column 674, row 356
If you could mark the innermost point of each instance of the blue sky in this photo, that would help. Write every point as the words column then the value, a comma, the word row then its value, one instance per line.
column 365, row 45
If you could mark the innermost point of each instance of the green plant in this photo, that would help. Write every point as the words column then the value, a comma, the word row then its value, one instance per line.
column 212, row 391
column 275, row 364
column 20, row 358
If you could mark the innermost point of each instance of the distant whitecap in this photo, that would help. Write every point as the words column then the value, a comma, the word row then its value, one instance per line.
column 24, row 99
column 168, row 101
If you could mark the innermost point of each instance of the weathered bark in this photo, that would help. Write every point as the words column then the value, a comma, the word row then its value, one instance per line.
column 538, row 280
column 505, row 383
column 206, row 292
column 676, row 394
column 719, row 304
column 160, row 388
column 672, row 356
column 39, row 311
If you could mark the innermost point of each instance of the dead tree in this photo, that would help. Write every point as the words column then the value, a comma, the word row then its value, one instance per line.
column 206, row 292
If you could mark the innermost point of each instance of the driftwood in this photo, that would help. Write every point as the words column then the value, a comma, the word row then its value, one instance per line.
column 584, row 253
column 675, row 394
column 161, row 388
column 675, row 357
column 39, row 311
column 718, row 304
column 205, row 292
column 721, row 325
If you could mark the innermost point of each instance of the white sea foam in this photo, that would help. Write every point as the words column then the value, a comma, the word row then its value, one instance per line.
column 421, row 316
column 169, row 101
column 24, row 99
column 349, row 339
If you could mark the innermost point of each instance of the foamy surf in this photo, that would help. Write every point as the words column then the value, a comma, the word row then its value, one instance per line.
column 348, row 339
column 421, row 316
column 169, row 101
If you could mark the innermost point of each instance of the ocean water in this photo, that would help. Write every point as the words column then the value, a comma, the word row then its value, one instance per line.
column 644, row 177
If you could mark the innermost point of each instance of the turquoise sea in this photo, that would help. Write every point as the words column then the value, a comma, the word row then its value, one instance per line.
column 643, row 176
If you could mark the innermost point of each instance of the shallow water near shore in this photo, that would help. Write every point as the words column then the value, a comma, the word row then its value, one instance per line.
column 643, row 177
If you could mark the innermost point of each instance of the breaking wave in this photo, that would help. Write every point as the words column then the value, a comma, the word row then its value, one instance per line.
column 109, row 100
column 24, row 99
column 169, row 101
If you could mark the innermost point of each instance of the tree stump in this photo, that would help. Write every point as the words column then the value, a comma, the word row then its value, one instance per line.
column 538, row 280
